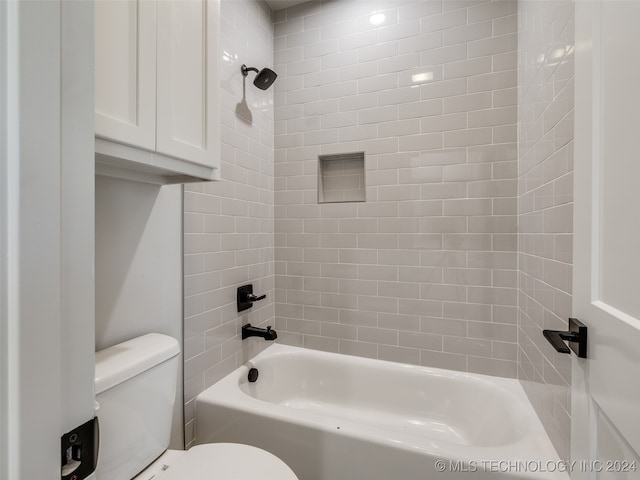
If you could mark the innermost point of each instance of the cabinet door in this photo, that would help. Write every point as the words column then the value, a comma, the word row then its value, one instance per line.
column 125, row 76
column 187, row 104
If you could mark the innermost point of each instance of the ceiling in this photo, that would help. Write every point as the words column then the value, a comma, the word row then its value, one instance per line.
column 279, row 4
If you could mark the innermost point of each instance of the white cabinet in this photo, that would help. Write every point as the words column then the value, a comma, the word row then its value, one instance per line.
column 156, row 97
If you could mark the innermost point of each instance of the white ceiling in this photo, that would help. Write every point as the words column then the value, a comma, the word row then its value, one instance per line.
column 279, row 4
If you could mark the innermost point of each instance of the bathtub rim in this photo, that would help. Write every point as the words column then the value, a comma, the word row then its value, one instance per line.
column 227, row 393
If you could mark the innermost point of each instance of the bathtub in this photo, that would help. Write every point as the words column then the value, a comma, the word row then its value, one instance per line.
column 337, row 417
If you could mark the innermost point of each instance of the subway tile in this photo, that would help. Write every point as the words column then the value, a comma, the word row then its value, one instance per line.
column 467, row 68
column 286, row 28
column 379, row 114
column 429, row 308
column 420, row 241
column 419, row 9
column 449, row 361
column 377, row 83
column 468, row 138
column 408, row 28
column 467, row 346
column 493, row 117
column 337, row 90
column 389, row 16
column 378, row 335
column 338, row 29
column 419, row 43
column 493, row 81
column 490, row 366
column 377, row 304
column 319, row 18
column 364, row 69
column 467, row 311
column 425, row 341
column 456, row 173
column 443, row 190
column 377, row 240
column 505, row 61
column 399, row 354
column 410, row 323
column 443, row 89
column 305, row 37
column 420, row 208
column 420, row 109
column 345, row 332
column 444, row 55
column 492, row 331
column 359, row 349
column 321, row 48
column 444, row 224
column 325, row 344
column 340, row 59
column 398, row 96
column 491, row 10
column 443, row 326
column 503, row 25
column 357, row 40
column 358, row 317
column 399, row 63
column 420, row 76
column 420, row 175
column 443, row 21
column 467, row 33
column 444, row 123
column 426, row 141
column 398, row 128
column 399, row 290
column 492, row 295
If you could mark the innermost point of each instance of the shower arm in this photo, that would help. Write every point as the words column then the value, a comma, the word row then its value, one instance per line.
column 246, row 70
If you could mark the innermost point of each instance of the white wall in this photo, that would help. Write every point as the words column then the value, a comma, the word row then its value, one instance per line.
column 545, row 210
column 424, row 271
column 139, row 266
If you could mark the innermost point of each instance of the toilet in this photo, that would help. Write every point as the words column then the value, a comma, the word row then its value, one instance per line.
column 135, row 392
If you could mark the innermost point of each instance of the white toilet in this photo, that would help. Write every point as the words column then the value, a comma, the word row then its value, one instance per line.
column 135, row 389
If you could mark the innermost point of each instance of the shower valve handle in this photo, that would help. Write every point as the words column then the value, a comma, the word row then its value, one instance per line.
column 245, row 297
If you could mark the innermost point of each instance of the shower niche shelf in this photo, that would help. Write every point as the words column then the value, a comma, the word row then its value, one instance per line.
column 341, row 178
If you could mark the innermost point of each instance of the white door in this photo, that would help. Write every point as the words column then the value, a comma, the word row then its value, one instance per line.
column 187, row 105
column 125, row 76
column 605, row 411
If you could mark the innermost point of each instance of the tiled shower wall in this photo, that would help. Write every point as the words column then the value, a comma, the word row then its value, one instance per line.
column 424, row 271
column 228, row 225
column 545, row 189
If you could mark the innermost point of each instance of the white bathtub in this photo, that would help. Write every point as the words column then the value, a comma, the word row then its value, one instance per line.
column 337, row 417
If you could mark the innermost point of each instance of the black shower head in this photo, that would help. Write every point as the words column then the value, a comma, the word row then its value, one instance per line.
column 264, row 78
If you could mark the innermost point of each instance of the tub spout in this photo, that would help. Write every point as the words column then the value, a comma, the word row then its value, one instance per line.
column 266, row 333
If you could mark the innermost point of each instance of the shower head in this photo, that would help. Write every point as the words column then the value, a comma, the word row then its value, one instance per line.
column 264, row 78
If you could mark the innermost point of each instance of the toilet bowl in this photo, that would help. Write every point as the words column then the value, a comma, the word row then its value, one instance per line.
column 228, row 461
column 136, row 389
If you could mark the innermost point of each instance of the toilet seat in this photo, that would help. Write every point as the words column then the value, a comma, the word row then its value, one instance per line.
column 227, row 461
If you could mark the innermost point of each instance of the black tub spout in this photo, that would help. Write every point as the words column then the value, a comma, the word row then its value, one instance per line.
column 249, row 331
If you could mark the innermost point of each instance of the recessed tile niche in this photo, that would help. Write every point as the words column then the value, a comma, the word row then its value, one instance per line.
column 341, row 178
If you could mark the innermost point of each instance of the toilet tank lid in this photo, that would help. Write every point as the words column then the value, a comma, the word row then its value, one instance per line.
column 125, row 360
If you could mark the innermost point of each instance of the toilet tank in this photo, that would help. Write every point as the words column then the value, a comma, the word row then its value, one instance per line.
column 135, row 388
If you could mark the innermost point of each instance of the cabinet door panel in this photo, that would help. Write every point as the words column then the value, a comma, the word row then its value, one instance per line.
column 125, row 77
column 187, row 104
